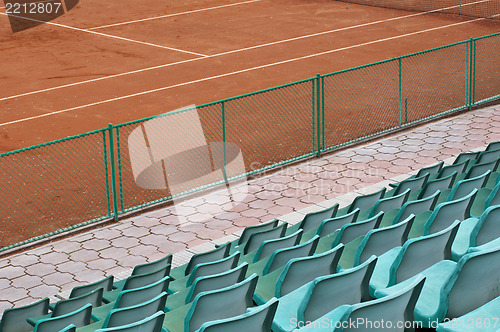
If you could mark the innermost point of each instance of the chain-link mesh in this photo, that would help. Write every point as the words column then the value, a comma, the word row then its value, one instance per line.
column 472, row 8
column 360, row 103
column 52, row 187
column 434, row 82
column 486, row 85
column 174, row 147
column 60, row 185
column 273, row 126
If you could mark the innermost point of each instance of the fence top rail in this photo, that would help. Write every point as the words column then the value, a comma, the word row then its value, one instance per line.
column 52, row 142
column 216, row 102
column 246, row 95
column 487, row 36
column 402, row 57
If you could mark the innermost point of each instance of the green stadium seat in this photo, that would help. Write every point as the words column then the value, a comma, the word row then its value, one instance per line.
column 67, row 306
column 105, row 283
column 393, row 309
column 15, row 319
column 207, row 283
column 329, row 226
column 269, row 246
column 212, row 305
column 418, row 208
column 416, row 255
column 205, row 269
column 411, row 183
column 132, row 297
column 454, row 289
column 322, row 295
column 297, row 272
column 144, row 269
column 152, row 323
column 128, row 315
column 313, row 219
column 257, row 319
column 281, row 256
column 363, row 202
column 379, row 241
column 79, row 318
column 204, row 257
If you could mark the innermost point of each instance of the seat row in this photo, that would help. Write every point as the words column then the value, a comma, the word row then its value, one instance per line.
column 278, row 259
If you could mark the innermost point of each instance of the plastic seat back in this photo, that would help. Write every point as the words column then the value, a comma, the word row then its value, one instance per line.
column 487, row 228
column 445, row 213
column 420, row 253
column 365, row 202
column 433, row 169
column 465, row 187
column 219, row 304
column 69, row 305
column 217, row 281
column 258, row 319
column 469, row 156
column 105, row 283
column 488, row 156
column 476, row 283
column 380, row 240
column 329, row 292
column 394, row 308
column 329, row 226
column 390, row 203
column 493, row 146
column 153, row 266
column 299, row 271
column 129, row 315
column 413, row 184
column 132, row 297
column 80, row 317
column 415, row 207
column 152, row 323
column 352, row 231
column 255, row 229
column 14, row 319
column 479, row 169
column 440, row 184
column 210, row 268
column 209, row 256
column 448, row 170
column 69, row 328
column 257, row 238
column 268, row 247
column 141, row 280
column 281, row 256
column 494, row 196
column 314, row 219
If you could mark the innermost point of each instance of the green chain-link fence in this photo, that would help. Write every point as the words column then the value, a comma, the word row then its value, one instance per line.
column 57, row 186
column 471, row 8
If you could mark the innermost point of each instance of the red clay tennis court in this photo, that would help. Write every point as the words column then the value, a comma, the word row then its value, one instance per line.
column 121, row 61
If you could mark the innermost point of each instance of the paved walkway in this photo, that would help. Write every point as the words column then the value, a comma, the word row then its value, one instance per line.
column 195, row 225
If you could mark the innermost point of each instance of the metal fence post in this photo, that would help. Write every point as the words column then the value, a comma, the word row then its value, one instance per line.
column 400, row 90
column 473, row 70
column 113, row 171
column 106, row 173
column 224, row 140
column 318, row 115
column 471, row 74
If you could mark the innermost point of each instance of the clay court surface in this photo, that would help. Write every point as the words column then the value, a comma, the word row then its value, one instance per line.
column 116, row 61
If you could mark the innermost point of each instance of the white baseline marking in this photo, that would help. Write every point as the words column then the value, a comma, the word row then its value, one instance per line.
column 220, row 54
column 171, row 15
column 108, row 35
column 238, row 72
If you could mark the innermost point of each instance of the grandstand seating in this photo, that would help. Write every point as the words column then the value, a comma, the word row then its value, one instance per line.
column 413, row 252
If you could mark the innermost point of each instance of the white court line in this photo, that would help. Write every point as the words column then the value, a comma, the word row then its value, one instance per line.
column 108, row 35
column 237, row 72
column 171, row 15
column 221, row 54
